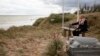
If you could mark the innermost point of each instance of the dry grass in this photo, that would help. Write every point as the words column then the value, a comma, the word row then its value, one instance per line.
column 31, row 41
column 55, row 46
column 25, row 41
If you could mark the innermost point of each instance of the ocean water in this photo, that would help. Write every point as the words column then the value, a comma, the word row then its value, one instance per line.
column 7, row 21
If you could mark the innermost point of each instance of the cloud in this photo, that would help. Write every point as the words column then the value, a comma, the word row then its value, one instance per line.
column 72, row 3
column 27, row 7
column 38, row 7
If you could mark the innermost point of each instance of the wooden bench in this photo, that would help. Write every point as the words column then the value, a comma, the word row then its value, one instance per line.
column 67, row 29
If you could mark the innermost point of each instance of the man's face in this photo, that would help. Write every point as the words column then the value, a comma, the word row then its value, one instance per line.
column 82, row 17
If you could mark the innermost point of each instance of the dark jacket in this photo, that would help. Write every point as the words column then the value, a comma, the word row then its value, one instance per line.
column 83, row 27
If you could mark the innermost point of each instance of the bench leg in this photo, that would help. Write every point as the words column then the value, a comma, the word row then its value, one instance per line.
column 83, row 34
column 64, row 33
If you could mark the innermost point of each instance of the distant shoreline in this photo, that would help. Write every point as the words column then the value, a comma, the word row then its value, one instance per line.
column 7, row 21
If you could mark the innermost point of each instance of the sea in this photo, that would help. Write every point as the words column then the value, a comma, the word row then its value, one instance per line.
column 7, row 21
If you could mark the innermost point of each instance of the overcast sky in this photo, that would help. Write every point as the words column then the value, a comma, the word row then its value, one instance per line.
column 38, row 7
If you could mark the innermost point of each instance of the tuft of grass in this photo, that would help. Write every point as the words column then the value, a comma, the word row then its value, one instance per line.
column 54, row 48
column 2, row 49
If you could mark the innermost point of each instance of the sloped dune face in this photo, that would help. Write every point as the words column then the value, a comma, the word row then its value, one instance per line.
column 25, row 47
column 29, row 43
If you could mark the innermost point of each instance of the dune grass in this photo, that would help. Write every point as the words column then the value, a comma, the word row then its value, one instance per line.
column 35, row 41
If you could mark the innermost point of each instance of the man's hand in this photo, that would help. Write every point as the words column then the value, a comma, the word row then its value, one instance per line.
column 77, row 29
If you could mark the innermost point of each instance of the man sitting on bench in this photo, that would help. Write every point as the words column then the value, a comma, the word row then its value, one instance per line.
column 81, row 26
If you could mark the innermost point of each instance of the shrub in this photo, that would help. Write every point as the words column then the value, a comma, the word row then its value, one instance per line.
column 54, row 48
column 38, row 21
column 57, row 18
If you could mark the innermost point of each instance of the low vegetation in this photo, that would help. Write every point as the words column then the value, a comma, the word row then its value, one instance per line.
column 54, row 19
column 39, row 39
column 55, row 48
column 94, row 25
